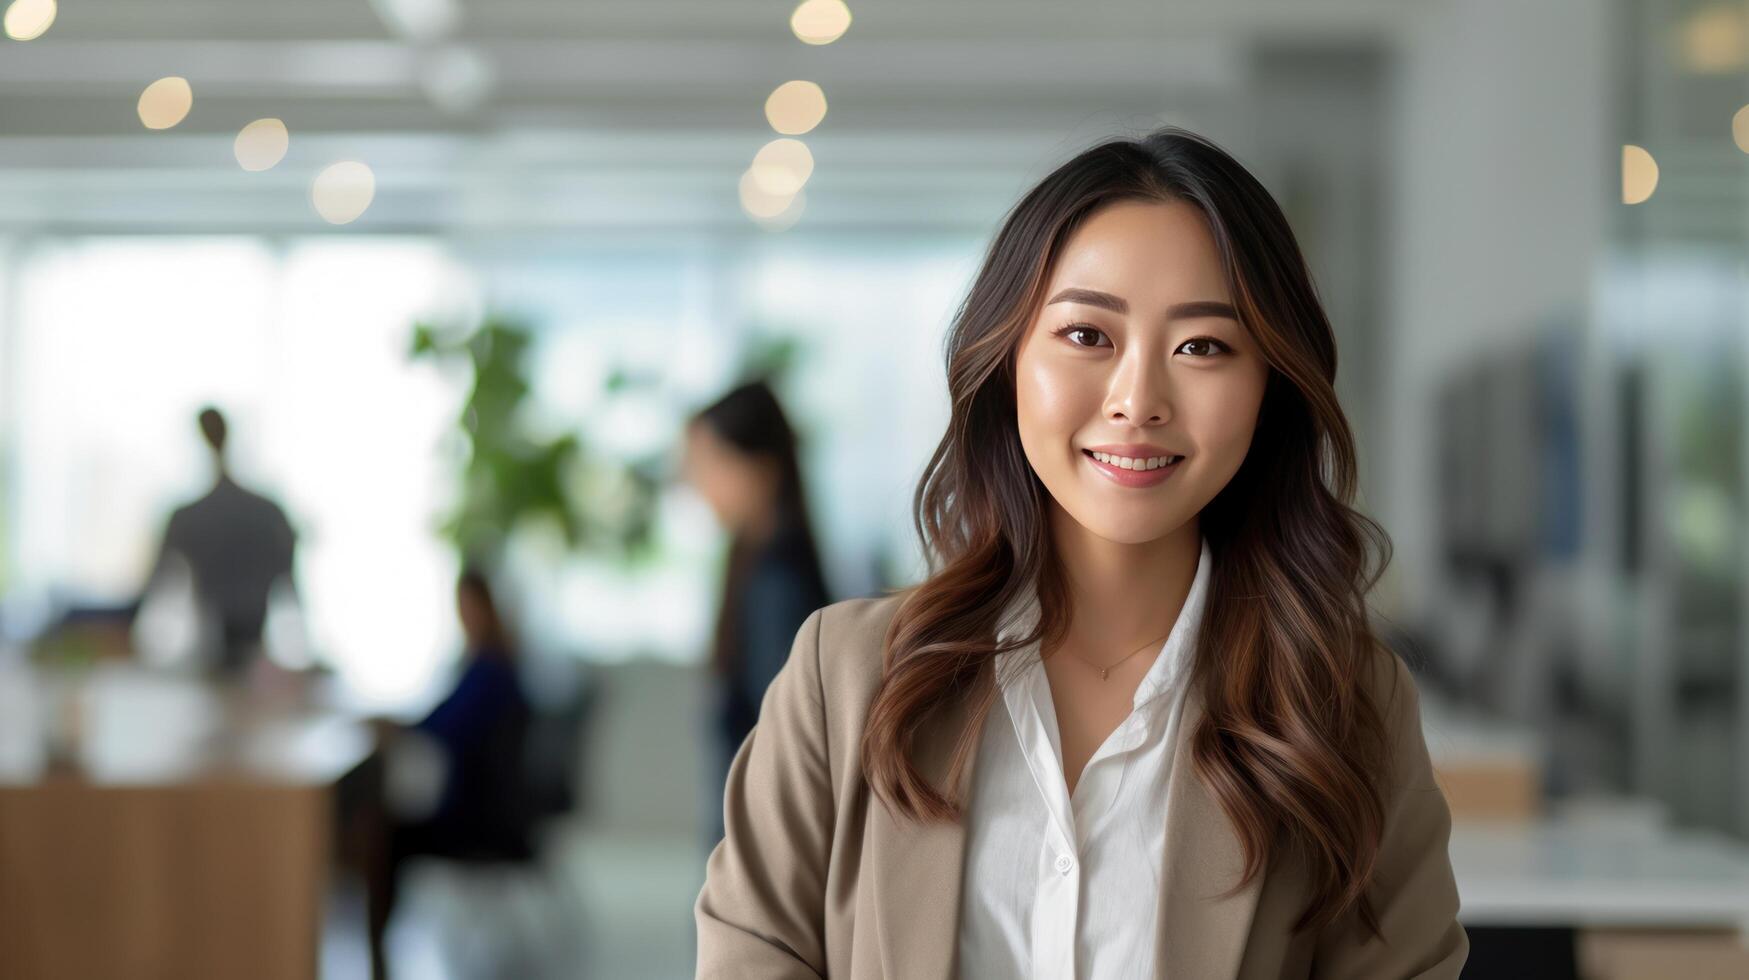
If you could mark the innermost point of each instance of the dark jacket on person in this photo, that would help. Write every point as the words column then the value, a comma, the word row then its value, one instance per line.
column 482, row 726
column 237, row 544
column 783, row 585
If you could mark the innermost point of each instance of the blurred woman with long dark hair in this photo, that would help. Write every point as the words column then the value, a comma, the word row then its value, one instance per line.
column 1136, row 721
column 740, row 454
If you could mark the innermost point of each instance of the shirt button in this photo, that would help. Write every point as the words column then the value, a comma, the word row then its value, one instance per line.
column 1065, row 863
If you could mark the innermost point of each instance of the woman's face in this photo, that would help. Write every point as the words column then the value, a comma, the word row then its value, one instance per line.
column 475, row 614
column 735, row 485
column 1137, row 351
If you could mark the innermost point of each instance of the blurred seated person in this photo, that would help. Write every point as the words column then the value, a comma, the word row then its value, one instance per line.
column 483, row 810
column 236, row 545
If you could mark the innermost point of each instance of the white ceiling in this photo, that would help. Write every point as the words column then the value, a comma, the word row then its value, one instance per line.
column 613, row 114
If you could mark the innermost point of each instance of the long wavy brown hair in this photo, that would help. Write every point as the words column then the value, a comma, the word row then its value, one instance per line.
column 1291, row 743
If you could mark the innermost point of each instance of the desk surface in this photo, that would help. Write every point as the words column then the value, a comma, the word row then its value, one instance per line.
column 1571, row 873
column 1593, row 864
column 135, row 727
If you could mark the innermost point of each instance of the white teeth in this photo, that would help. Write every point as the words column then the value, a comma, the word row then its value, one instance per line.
column 1134, row 463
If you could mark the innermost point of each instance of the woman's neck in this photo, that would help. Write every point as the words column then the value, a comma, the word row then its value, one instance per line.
column 1122, row 596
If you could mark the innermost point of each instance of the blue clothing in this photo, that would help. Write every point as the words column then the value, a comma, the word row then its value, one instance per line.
column 482, row 727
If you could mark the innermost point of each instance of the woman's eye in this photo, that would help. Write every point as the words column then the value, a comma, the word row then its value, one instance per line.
column 1207, row 342
column 1088, row 335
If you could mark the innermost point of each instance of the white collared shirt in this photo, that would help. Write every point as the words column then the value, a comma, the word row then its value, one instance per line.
column 1068, row 888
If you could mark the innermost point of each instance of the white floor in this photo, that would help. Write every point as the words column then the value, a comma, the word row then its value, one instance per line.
column 610, row 906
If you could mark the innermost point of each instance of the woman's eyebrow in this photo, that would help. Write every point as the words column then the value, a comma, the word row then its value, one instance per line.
column 1118, row 305
column 1092, row 297
column 1200, row 308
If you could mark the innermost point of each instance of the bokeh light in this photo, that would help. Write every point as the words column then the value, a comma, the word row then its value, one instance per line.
column 343, row 191
column 166, row 102
column 1639, row 174
column 795, row 107
column 26, row 20
column 820, row 21
column 261, row 144
column 782, row 166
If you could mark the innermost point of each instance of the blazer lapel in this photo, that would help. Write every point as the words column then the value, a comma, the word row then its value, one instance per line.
column 1201, row 935
column 918, row 866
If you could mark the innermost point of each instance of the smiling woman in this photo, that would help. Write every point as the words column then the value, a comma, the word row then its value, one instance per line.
column 1136, row 718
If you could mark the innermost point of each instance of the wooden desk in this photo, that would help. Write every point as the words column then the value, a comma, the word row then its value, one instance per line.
column 184, row 847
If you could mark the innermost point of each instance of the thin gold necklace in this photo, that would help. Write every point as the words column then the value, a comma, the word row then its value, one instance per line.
column 1105, row 671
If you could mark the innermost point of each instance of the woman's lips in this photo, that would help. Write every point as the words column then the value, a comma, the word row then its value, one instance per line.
column 1133, row 478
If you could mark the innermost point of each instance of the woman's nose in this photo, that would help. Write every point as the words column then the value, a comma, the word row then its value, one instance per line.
column 1138, row 391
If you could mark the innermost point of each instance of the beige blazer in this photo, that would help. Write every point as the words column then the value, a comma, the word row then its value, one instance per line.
column 815, row 878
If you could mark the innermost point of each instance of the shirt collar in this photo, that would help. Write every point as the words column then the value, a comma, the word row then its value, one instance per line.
column 1166, row 671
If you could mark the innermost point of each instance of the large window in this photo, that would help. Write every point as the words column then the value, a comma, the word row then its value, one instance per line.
column 304, row 343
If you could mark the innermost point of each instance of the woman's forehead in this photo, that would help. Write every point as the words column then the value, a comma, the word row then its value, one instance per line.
column 1146, row 253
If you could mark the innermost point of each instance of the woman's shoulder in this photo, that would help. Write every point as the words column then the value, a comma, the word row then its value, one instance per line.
column 848, row 619
column 1391, row 686
column 849, row 638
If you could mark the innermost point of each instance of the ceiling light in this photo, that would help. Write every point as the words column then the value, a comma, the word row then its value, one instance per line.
column 261, row 144
column 343, row 191
column 795, row 107
column 26, row 20
column 820, row 21
column 166, row 102
column 782, row 166
column 1639, row 174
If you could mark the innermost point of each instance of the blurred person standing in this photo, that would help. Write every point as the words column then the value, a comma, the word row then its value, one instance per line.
column 237, row 544
column 740, row 454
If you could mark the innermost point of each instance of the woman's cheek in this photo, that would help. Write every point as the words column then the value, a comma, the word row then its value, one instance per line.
column 1233, row 423
column 1048, row 409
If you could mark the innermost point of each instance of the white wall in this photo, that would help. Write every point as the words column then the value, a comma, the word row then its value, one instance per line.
column 1504, row 156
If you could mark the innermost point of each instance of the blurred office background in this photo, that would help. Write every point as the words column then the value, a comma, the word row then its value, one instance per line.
column 458, row 274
